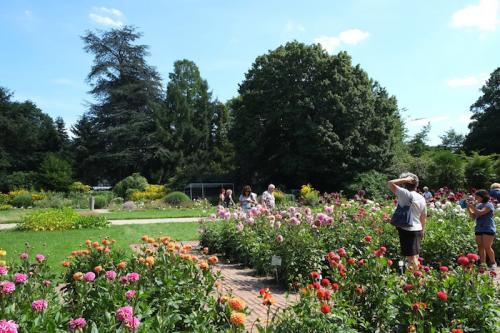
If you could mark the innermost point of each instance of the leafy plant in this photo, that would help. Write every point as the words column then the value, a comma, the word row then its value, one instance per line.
column 176, row 198
column 134, row 181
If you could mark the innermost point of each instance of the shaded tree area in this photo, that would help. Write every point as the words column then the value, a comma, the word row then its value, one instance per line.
column 484, row 133
column 305, row 116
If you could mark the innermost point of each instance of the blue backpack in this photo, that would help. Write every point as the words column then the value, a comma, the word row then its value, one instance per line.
column 402, row 216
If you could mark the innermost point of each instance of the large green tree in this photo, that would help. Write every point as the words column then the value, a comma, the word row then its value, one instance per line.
column 305, row 116
column 193, row 129
column 128, row 93
column 484, row 134
column 27, row 135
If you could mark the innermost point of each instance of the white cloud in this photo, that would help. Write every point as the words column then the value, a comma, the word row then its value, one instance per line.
column 424, row 121
column 482, row 16
column 474, row 80
column 107, row 16
column 350, row 37
column 353, row 36
column 292, row 26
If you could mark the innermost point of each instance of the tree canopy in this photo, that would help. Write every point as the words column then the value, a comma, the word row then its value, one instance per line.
column 484, row 135
column 305, row 116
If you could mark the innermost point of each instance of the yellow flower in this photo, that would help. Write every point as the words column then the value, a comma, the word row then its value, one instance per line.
column 3, row 263
column 3, row 253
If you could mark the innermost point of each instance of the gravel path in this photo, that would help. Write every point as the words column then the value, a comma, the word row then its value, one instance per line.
column 9, row 226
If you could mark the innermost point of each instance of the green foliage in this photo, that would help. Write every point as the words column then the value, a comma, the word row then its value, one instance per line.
column 22, row 201
column 100, row 201
column 136, row 182
column 452, row 140
column 418, row 144
column 115, row 137
column 177, row 198
column 26, row 136
column 479, row 172
column 18, row 180
column 53, row 200
column 446, row 169
column 79, row 187
column 374, row 183
column 318, row 112
column 55, row 173
column 49, row 219
column 483, row 134
column 90, row 221
column 311, row 198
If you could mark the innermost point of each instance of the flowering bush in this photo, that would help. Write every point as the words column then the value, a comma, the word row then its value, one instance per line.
column 365, row 294
column 300, row 236
column 150, row 192
column 161, row 289
column 60, row 219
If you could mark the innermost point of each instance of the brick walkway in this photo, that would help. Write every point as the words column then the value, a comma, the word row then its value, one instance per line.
column 243, row 283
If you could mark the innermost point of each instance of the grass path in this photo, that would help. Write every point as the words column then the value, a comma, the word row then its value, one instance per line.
column 57, row 245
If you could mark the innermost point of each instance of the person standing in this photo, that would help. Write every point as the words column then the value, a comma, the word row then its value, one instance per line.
column 247, row 199
column 222, row 196
column 485, row 229
column 410, row 237
column 495, row 191
column 268, row 198
column 427, row 194
column 228, row 199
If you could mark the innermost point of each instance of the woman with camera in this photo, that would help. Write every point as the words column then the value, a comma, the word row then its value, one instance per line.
column 481, row 209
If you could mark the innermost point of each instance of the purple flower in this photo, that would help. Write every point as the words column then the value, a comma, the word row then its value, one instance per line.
column 123, row 280
column 89, row 276
column 133, row 277
column 20, row 277
column 39, row 305
column 40, row 257
column 130, row 294
column 328, row 210
column 239, row 227
column 124, row 313
column 9, row 326
column 7, row 287
column 77, row 323
column 24, row 256
column 294, row 221
column 110, row 275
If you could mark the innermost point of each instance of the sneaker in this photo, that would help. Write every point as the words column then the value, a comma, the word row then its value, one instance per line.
column 492, row 267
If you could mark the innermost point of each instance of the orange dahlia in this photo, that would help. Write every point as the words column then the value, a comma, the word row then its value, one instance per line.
column 238, row 319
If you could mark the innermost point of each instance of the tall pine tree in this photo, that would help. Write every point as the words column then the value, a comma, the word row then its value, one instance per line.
column 128, row 93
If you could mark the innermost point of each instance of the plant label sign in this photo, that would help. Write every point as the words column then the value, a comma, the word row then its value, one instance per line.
column 276, row 261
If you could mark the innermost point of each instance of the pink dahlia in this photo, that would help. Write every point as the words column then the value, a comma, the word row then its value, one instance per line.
column 3, row 270
column 132, row 323
column 133, row 277
column 39, row 305
column 20, row 277
column 124, row 313
column 23, row 256
column 7, row 287
column 89, row 276
column 130, row 294
column 77, row 323
column 443, row 268
column 8, row 326
column 464, row 261
column 46, row 283
column 40, row 257
column 110, row 275
column 280, row 238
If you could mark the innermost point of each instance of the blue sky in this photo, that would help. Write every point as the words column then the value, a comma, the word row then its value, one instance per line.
column 432, row 55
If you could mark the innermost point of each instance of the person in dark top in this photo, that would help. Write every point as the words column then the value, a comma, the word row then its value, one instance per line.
column 228, row 199
column 495, row 191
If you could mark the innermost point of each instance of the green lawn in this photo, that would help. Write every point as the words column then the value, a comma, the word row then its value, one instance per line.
column 57, row 245
column 157, row 213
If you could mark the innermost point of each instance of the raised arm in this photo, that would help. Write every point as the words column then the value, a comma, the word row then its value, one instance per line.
column 393, row 184
column 474, row 212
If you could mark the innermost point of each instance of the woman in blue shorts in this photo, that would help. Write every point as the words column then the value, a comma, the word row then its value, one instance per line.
column 485, row 226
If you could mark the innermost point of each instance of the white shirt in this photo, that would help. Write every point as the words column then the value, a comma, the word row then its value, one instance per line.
column 418, row 206
column 268, row 199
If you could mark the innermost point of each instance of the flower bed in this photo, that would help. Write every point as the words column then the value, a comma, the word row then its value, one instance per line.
column 160, row 290
column 300, row 237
